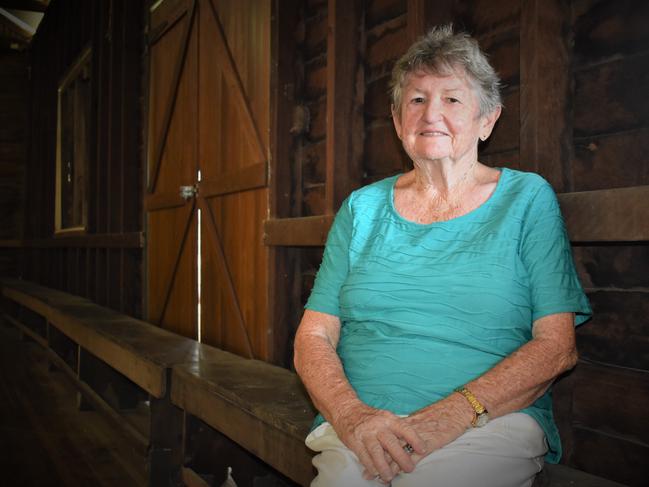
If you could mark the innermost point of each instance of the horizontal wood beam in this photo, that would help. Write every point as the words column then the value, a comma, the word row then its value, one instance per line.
column 133, row 240
column 42, row 341
column 29, row 5
column 306, row 231
column 163, row 201
column 609, row 215
column 250, row 177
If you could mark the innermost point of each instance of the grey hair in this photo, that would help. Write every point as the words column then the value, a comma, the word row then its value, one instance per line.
column 441, row 51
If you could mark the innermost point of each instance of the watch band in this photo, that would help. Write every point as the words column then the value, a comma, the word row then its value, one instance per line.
column 481, row 415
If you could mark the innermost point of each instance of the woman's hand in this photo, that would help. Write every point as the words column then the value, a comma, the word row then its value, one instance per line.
column 377, row 438
column 441, row 423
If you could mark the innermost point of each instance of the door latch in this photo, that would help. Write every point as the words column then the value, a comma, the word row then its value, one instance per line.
column 188, row 192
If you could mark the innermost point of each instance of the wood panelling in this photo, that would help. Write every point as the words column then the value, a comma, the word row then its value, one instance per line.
column 305, row 231
column 545, row 90
column 114, row 32
column 172, row 162
column 234, row 128
column 610, row 457
column 13, row 143
column 607, row 215
column 609, row 97
column 386, row 42
column 611, row 161
column 606, row 30
column 379, row 11
column 621, row 266
column 617, row 333
column 345, row 94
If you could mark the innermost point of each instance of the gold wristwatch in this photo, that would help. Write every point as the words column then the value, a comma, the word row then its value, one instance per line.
column 481, row 415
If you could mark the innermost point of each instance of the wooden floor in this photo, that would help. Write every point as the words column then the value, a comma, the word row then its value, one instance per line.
column 44, row 439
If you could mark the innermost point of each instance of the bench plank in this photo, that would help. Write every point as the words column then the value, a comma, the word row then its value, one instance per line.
column 140, row 351
column 261, row 407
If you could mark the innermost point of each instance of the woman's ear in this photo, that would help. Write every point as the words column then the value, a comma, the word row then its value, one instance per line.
column 488, row 122
column 396, row 120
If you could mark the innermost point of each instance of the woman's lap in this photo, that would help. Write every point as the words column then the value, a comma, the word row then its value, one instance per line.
column 507, row 452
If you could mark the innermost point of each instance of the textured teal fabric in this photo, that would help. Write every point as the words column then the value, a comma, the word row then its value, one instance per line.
column 427, row 308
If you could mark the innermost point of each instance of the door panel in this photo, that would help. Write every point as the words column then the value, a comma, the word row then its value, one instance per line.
column 171, row 226
column 234, row 114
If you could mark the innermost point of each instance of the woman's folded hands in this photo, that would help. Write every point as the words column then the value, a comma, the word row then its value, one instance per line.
column 378, row 438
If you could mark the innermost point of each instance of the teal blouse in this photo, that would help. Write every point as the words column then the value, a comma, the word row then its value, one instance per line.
column 427, row 308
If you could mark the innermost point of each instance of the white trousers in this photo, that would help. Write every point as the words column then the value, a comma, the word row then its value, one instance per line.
column 506, row 452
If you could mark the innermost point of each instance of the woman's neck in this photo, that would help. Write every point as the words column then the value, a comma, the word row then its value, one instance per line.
column 443, row 177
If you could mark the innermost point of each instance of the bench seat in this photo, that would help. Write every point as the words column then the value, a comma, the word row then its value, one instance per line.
column 140, row 351
column 261, row 407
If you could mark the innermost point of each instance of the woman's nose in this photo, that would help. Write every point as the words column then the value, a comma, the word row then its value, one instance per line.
column 432, row 111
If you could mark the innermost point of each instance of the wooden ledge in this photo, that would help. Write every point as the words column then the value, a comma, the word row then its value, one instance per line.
column 259, row 406
column 142, row 352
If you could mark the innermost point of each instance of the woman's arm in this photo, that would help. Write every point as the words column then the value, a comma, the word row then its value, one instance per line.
column 370, row 433
column 514, row 383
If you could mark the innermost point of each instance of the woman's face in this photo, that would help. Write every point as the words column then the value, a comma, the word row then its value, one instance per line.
column 440, row 119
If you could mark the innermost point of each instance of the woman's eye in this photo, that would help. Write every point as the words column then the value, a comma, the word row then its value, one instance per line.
column 453, row 100
column 418, row 99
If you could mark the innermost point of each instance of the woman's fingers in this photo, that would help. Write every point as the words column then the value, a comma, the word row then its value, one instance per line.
column 377, row 454
column 412, row 438
column 398, row 454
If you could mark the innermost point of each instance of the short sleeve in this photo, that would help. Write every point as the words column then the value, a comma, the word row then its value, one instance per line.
column 547, row 256
column 335, row 264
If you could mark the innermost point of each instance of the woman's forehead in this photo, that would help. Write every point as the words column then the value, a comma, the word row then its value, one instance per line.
column 452, row 80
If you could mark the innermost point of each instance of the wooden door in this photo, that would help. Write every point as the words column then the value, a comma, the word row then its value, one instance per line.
column 208, row 130
column 172, row 162
column 234, row 58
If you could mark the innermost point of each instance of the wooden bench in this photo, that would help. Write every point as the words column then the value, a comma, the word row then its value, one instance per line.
column 260, row 407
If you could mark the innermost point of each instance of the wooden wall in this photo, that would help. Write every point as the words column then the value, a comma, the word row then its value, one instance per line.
column 13, row 152
column 104, row 263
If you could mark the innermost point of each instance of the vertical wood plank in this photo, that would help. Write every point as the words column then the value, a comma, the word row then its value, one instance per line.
column 282, row 309
column 545, row 94
column 422, row 15
column 345, row 95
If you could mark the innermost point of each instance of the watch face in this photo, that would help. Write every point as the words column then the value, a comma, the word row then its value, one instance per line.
column 481, row 420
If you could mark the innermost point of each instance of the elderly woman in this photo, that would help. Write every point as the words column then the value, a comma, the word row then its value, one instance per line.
column 446, row 301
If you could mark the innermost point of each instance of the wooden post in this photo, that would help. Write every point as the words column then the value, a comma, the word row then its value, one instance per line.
column 345, row 95
column 422, row 15
column 166, row 440
column 545, row 117
column 282, row 310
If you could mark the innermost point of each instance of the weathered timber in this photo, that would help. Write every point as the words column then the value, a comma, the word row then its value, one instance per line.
column 26, row 330
column 250, row 177
column 345, row 94
column 304, row 231
column 132, row 240
column 562, row 476
column 257, row 405
column 282, row 305
column 607, row 215
column 545, row 91
column 422, row 15
column 609, row 97
column 138, row 350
